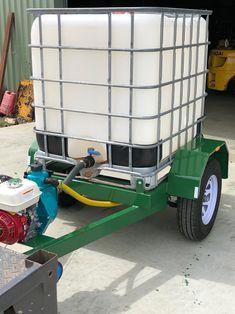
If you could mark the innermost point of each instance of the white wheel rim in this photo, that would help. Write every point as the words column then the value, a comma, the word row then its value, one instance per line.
column 209, row 199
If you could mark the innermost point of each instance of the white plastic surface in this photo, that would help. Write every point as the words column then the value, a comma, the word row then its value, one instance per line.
column 92, row 66
column 17, row 199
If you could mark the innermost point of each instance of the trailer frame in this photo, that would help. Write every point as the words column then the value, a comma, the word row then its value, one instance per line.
column 183, row 180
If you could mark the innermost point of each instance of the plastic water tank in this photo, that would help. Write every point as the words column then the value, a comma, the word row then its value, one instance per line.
column 91, row 30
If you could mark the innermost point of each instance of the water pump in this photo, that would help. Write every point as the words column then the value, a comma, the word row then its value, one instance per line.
column 27, row 206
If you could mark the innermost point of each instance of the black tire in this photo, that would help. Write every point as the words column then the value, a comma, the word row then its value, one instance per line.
column 190, row 212
column 231, row 87
column 65, row 200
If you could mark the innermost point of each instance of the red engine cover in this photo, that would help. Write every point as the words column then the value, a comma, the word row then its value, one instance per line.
column 12, row 227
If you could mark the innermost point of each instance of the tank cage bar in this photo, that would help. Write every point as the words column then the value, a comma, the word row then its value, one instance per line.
column 118, row 9
column 184, row 105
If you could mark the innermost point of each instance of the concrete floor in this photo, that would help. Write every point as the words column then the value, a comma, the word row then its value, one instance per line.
column 149, row 267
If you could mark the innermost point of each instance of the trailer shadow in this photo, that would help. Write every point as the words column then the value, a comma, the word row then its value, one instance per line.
column 155, row 244
column 108, row 301
column 219, row 108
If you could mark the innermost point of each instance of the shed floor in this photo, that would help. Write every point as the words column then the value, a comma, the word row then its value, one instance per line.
column 149, row 267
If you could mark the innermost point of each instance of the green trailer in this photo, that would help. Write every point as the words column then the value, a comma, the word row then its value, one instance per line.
column 179, row 168
column 193, row 185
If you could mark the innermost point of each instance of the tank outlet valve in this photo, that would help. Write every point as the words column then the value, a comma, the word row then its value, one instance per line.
column 89, row 161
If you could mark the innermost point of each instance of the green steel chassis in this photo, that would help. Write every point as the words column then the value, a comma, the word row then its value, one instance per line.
column 183, row 180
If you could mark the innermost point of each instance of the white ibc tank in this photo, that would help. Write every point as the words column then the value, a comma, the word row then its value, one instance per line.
column 91, row 30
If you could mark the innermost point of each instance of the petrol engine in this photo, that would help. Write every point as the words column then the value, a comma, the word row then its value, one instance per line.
column 27, row 206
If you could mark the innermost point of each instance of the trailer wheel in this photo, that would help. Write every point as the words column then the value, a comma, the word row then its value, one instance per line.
column 196, row 217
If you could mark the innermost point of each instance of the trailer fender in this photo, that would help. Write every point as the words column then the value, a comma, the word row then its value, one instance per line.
column 184, row 178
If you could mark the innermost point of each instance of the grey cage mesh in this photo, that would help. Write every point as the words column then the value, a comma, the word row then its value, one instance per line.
column 130, row 81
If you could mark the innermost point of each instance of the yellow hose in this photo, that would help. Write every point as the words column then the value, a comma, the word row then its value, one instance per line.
column 84, row 199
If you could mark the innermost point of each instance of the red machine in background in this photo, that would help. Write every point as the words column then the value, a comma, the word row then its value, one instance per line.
column 8, row 103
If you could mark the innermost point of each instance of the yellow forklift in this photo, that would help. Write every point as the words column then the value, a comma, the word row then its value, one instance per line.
column 221, row 76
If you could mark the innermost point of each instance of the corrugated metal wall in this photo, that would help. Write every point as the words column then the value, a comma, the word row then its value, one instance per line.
column 18, row 62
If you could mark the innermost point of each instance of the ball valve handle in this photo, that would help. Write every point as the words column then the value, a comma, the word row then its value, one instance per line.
column 91, row 151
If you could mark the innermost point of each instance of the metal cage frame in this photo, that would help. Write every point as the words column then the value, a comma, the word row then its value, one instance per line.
column 151, row 177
